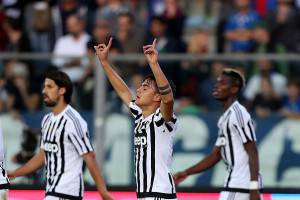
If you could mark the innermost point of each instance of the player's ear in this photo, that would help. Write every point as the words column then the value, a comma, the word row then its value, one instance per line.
column 235, row 90
column 157, row 97
column 62, row 91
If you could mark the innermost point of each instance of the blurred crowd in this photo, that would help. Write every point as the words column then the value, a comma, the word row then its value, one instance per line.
column 73, row 27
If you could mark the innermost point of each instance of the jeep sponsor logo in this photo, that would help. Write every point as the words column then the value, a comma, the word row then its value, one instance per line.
column 140, row 141
column 51, row 147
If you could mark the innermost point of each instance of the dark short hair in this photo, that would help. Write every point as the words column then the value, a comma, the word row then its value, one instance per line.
column 152, row 78
column 61, row 79
column 129, row 15
column 160, row 19
column 236, row 77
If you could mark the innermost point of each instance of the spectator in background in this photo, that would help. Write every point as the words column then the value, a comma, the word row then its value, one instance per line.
column 266, row 101
column 165, row 44
column 206, row 101
column 291, row 102
column 174, row 17
column 18, row 40
column 127, row 34
column 239, row 27
column 101, row 34
column 111, row 11
column 23, row 95
column 265, row 68
column 193, row 72
column 284, row 25
column 73, row 44
column 61, row 12
column 3, row 35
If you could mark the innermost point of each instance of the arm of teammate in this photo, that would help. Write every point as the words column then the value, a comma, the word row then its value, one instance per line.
column 117, row 82
column 95, row 172
column 166, row 106
column 32, row 165
column 251, row 149
column 209, row 161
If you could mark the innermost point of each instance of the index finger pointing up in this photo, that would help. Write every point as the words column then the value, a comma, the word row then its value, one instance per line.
column 109, row 43
column 154, row 42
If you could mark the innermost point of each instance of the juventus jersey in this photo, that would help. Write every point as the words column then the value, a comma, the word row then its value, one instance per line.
column 65, row 139
column 4, row 183
column 153, row 148
column 236, row 129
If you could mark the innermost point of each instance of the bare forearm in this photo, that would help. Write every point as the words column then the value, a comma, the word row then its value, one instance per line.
column 32, row 165
column 117, row 82
column 162, row 83
column 95, row 171
column 205, row 164
column 253, row 163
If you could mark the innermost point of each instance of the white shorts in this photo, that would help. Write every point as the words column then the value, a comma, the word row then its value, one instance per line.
column 225, row 195
column 54, row 198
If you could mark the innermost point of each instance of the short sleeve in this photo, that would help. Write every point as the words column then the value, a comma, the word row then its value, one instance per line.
column 243, row 125
column 79, row 137
column 170, row 125
column 43, row 124
column 135, row 110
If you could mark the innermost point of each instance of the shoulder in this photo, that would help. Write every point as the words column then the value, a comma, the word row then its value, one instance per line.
column 74, row 119
column 46, row 118
column 240, row 115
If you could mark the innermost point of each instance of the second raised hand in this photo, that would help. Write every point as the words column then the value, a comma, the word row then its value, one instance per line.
column 102, row 50
column 150, row 52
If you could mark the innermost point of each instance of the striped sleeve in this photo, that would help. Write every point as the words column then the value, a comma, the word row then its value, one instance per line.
column 79, row 137
column 169, row 126
column 243, row 125
column 135, row 110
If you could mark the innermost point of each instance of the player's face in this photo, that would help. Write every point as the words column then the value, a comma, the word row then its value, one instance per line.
column 51, row 93
column 223, row 88
column 145, row 94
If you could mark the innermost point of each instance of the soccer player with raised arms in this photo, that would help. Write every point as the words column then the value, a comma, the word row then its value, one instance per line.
column 155, row 125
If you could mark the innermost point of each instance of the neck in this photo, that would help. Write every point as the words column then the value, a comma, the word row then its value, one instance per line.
column 147, row 111
column 59, row 108
column 228, row 103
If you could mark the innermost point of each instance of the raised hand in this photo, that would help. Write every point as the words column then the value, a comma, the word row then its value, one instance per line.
column 151, row 53
column 102, row 50
column 179, row 177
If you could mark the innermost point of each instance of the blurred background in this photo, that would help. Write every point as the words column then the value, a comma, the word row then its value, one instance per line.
column 196, row 40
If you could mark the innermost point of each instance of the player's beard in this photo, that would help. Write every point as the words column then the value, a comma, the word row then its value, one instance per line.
column 50, row 103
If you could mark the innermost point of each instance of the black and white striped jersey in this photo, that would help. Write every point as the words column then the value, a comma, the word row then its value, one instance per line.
column 4, row 182
column 236, row 129
column 65, row 139
column 153, row 148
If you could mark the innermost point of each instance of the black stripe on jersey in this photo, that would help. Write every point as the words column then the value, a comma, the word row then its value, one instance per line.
column 45, row 121
column 62, row 156
column 138, row 116
column 51, row 131
column 244, row 133
column 87, row 144
column 54, row 154
column 152, row 139
column 138, row 169
column 80, row 186
column 160, row 122
column 170, row 129
column 76, row 122
column 174, row 120
column 75, row 141
column 47, row 131
column 145, row 165
column 239, row 116
column 135, row 112
column 251, row 130
column 171, row 181
column 231, row 152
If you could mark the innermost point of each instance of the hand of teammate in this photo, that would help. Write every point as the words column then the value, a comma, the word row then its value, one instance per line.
column 254, row 195
column 11, row 175
column 151, row 53
column 102, row 50
column 107, row 196
column 179, row 177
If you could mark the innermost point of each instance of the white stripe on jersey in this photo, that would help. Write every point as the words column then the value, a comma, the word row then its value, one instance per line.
column 65, row 139
column 153, row 142
column 236, row 129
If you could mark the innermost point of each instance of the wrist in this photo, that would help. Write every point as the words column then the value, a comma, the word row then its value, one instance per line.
column 253, row 185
